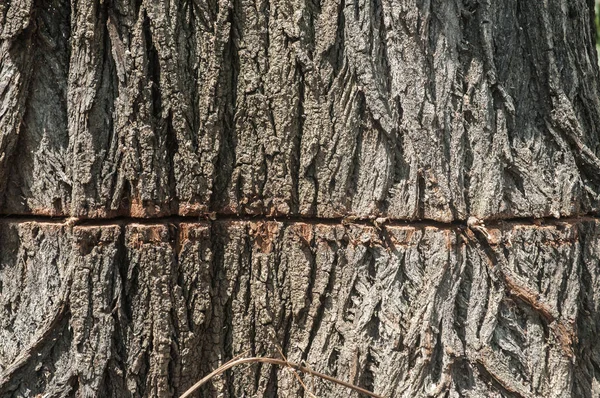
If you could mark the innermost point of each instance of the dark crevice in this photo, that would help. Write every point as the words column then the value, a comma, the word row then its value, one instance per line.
column 382, row 56
column 172, row 149
column 217, row 321
column 587, row 325
column 137, row 4
column 367, row 376
column 563, row 291
column 193, row 72
column 73, row 383
column 272, row 385
column 462, row 373
column 228, row 344
column 122, row 311
column 514, row 175
column 462, row 302
column 227, row 89
column 324, row 299
column 153, row 70
column 336, row 53
column 353, row 173
column 297, row 140
column 306, row 248
column 248, row 291
column 420, row 210
column 145, row 368
column 130, row 288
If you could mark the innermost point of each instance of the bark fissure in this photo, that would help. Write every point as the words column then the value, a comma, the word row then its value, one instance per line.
column 345, row 221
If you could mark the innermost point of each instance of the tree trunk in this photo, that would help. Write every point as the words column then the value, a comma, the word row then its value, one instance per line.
column 401, row 194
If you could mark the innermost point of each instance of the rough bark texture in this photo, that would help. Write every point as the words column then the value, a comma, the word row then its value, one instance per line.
column 146, row 310
column 409, row 110
column 296, row 128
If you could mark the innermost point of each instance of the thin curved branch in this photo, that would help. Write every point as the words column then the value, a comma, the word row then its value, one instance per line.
column 278, row 362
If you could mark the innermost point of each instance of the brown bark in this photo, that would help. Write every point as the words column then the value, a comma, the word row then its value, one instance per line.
column 235, row 176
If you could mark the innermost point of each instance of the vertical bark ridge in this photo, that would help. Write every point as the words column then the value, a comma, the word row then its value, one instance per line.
column 465, row 108
column 512, row 312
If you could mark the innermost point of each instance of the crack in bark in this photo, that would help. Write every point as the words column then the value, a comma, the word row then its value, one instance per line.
column 377, row 223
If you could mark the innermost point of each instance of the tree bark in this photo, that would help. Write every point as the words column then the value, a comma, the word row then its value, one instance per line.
column 184, row 181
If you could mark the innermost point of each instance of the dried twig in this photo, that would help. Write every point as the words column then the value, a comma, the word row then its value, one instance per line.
column 278, row 362
column 296, row 375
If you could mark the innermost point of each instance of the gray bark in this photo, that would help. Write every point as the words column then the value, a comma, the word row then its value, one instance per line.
column 220, row 172
column 434, row 110
column 147, row 309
